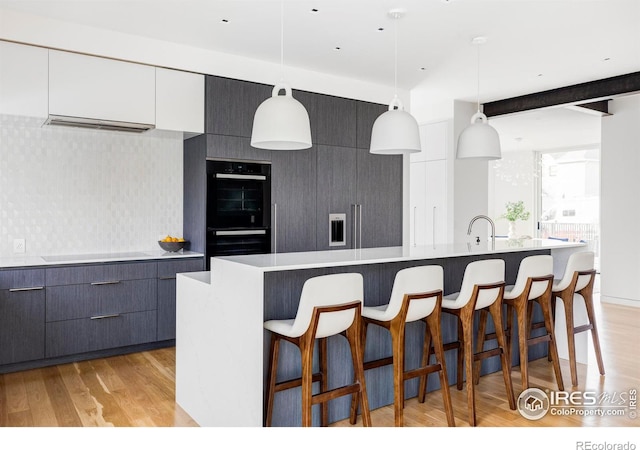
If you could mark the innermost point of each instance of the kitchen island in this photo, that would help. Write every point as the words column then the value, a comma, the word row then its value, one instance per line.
column 222, row 348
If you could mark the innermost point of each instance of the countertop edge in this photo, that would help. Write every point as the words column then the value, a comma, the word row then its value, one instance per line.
column 39, row 261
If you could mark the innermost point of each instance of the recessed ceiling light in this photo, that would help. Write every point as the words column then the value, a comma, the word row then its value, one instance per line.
column 539, row 74
column 607, row 59
column 337, row 48
column 225, row 20
column 314, row 10
column 380, row 29
column 423, row 68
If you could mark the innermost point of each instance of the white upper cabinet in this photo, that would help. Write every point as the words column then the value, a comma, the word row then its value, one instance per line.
column 179, row 101
column 23, row 80
column 434, row 140
column 100, row 88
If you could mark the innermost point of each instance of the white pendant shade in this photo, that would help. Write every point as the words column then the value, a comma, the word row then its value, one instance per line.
column 479, row 140
column 281, row 122
column 395, row 132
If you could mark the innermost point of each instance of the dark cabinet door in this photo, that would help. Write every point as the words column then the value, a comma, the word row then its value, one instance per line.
column 335, row 121
column 167, row 271
column 231, row 104
column 367, row 113
column 293, row 194
column 380, row 199
column 336, row 192
column 21, row 325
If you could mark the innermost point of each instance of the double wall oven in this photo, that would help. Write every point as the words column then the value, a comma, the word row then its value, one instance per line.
column 238, row 208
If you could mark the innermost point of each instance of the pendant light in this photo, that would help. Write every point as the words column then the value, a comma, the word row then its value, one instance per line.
column 395, row 132
column 281, row 122
column 479, row 140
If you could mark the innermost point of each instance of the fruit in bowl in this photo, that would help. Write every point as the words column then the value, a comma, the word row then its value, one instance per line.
column 172, row 244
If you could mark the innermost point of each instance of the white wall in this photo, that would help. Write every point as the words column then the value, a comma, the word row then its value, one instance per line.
column 512, row 179
column 619, row 212
column 72, row 191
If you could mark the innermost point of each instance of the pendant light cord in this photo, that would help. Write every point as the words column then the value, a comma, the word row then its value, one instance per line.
column 395, row 63
column 478, row 78
column 282, row 40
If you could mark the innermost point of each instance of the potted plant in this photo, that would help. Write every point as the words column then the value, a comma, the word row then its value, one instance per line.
column 515, row 211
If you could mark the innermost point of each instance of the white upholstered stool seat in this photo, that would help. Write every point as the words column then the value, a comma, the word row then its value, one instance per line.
column 416, row 295
column 329, row 305
column 576, row 285
column 482, row 290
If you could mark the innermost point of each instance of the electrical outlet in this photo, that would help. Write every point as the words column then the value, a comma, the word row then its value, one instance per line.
column 19, row 246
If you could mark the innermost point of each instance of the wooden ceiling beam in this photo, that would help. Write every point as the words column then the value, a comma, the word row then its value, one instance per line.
column 579, row 94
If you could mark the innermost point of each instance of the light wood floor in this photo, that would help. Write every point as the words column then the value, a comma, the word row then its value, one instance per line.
column 138, row 390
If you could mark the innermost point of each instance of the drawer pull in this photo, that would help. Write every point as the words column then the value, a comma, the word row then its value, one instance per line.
column 35, row 288
column 101, row 283
column 105, row 316
column 167, row 278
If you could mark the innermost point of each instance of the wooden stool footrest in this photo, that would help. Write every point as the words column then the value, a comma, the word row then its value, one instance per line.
column 582, row 328
column 378, row 363
column 487, row 354
column 422, row 371
column 324, row 397
column 539, row 339
column 295, row 382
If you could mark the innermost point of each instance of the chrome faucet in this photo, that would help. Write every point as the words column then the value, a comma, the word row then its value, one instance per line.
column 493, row 228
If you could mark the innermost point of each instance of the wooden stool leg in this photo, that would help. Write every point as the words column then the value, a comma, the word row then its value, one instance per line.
column 496, row 313
column 271, row 377
column 426, row 353
column 482, row 330
column 306, row 353
column 571, row 340
column 355, row 341
column 433, row 328
column 324, row 382
column 397, row 342
column 588, row 300
column 509, row 328
column 552, row 310
column 355, row 398
column 467, row 349
column 461, row 348
column 545, row 306
column 523, row 346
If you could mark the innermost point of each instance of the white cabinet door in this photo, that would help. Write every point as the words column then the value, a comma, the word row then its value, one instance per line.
column 100, row 88
column 428, row 193
column 434, row 140
column 23, row 80
column 179, row 101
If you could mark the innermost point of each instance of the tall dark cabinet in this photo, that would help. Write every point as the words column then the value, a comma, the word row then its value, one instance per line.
column 332, row 176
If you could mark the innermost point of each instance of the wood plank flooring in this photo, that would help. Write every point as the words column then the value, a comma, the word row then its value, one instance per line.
column 138, row 390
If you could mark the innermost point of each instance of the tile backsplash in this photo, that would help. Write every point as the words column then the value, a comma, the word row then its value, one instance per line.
column 73, row 191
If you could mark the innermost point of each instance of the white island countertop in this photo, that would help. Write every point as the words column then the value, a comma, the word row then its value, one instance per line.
column 54, row 260
column 303, row 260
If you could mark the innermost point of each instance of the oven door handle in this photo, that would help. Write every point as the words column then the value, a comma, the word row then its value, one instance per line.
column 240, row 232
column 234, row 176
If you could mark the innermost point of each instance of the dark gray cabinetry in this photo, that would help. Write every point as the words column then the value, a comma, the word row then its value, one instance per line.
column 337, row 168
column 380, row 199
column 365, row 187
column 231, row 104
column 22, row 310
column 293, row 194
column 96, row 307
column 367, row 113
column 167, row 271
column 335, row 122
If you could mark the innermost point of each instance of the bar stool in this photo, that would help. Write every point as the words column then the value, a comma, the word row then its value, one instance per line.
column 482, row 289
column 575, row 285
column 416, row 295
column 533, row 284
column 329, row 305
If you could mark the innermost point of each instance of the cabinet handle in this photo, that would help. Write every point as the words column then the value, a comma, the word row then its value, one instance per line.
column 415, row 215
column 166, row 278
column 101, row 283
column 35, row 288
column 434, row 227
column 275, row 228
column 355, row 226
column 105, row 316
column 360, row 227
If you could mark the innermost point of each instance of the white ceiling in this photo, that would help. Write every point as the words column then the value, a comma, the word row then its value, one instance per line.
column 532, row 45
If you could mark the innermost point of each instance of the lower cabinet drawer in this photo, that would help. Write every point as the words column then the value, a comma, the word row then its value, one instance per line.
column 69, row 337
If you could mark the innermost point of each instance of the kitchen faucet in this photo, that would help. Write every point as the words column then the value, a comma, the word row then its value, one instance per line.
column 493, row 229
